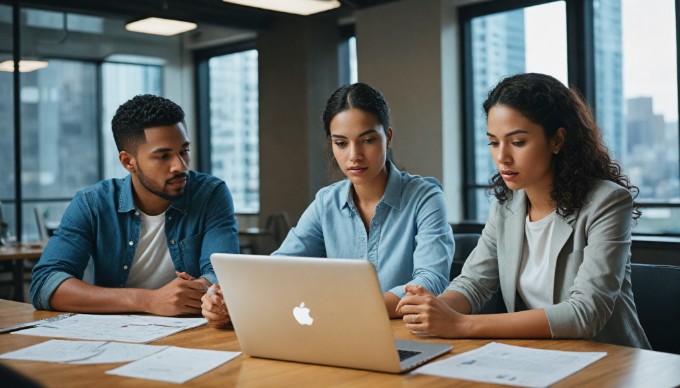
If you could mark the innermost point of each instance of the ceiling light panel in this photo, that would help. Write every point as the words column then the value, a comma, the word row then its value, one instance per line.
column 298, row 7
column 160, row 26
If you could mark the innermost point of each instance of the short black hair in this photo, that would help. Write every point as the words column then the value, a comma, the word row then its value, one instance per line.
column 141, row 112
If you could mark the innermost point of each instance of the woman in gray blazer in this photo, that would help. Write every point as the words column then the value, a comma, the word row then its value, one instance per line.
column 557, row 240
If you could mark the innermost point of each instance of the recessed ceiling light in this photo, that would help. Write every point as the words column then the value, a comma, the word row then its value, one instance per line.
column 160, row 26
column 299, row 7
column 25, row 66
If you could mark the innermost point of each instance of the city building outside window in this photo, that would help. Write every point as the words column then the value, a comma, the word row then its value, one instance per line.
column 637, row 101
column 634, row 79
column 229, row 122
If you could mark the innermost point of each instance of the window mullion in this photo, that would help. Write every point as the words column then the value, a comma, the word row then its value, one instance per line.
column 581, row 48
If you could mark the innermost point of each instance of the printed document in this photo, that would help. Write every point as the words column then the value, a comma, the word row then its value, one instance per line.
column 83, row 352
column 512, row 365
column 122, row 328
column 175, row 365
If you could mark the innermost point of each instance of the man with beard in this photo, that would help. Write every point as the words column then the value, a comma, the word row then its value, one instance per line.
column 150, row 235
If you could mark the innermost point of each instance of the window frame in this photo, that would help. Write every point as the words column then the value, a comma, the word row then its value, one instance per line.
column 346, row 32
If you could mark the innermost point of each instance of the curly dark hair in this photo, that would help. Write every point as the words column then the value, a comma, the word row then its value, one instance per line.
column 141, row 112
column 583, row 159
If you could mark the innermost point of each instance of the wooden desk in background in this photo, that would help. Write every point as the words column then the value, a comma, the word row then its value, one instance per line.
column 621, row 367
column 17, row 255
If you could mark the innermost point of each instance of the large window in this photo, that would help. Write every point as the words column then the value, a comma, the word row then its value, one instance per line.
column 532, row 39
column 629, row 76
column 229, row 121
column 637, row 101
column 121, row 82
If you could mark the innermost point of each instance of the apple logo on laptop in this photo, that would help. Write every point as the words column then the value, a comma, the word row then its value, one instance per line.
column 301, row 314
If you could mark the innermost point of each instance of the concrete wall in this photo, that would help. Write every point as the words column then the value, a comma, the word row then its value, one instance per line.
column 298, row 69
column 407, row 49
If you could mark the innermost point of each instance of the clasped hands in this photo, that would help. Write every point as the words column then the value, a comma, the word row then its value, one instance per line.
column 424, row 312
column 181, row 296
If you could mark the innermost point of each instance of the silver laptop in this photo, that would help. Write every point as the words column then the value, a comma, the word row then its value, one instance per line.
column 321, row 311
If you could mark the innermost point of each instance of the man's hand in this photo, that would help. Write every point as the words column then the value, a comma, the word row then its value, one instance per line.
column 179, row 297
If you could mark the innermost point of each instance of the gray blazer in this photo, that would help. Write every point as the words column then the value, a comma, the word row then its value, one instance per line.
column 590, row 259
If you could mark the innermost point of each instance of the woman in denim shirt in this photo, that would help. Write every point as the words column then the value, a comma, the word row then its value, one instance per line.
column 393, row 219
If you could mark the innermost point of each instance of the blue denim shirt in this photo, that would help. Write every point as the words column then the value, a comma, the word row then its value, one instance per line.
column 409, row 239
column 102, row 223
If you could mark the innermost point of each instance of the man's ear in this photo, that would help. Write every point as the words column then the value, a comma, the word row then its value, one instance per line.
column 127, row 161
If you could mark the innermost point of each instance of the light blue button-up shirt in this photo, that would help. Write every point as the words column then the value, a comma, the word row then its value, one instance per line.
column 103, row 223
column 409, row 239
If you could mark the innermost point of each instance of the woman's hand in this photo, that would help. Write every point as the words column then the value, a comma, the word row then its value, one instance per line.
column 423, row 311
column 214, row 309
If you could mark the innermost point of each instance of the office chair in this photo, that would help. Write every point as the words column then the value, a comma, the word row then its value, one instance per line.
column 465, row 244
column 40, row 222
column 656, row 290
column 276, row 228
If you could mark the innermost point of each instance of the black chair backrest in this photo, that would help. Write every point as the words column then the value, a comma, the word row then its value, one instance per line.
column 465, row 243
column 278, row 225
column 656, row 289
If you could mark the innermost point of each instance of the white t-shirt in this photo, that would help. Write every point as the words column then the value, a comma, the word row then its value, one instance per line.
column 535, row 282
column 152, row 266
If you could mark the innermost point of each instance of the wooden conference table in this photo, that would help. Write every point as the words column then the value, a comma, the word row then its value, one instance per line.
column 17, row 254
column 622, row 367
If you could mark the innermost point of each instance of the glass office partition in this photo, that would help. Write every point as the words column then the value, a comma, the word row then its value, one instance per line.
column 64, row 144
column 58, row 134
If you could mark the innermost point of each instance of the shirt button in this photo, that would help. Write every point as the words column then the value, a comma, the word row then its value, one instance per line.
column 131, row 243
column 125, row 267
column 170, row 217
column 172, row 242
column 137, row 214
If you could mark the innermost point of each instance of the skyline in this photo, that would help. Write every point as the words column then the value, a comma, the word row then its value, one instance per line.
column 642, row 22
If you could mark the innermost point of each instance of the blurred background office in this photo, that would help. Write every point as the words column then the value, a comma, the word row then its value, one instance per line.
column 253, row 83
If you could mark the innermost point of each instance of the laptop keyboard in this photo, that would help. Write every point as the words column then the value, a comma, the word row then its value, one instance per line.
column 405, row 354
